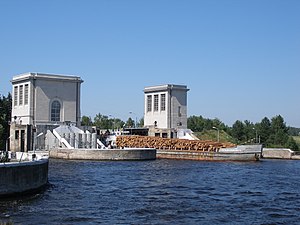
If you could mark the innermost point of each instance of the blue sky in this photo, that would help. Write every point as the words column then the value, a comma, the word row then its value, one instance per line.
column 240, row 59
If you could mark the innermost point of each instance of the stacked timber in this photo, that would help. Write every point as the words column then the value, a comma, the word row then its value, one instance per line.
column 135, row 141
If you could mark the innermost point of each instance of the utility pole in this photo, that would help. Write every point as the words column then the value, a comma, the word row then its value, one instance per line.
column 218, row 133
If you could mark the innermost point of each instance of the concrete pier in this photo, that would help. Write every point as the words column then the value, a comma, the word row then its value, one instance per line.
column 277, row 153
column 22, row 177
column 106, row 154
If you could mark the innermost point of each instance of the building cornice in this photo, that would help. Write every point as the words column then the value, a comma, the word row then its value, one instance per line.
column 165, row 87
column 44, row 76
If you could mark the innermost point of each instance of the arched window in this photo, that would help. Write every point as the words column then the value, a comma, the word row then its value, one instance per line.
column 55, row 111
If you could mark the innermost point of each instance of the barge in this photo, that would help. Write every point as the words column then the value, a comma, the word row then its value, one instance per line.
column 240, row 153
column 167, row 148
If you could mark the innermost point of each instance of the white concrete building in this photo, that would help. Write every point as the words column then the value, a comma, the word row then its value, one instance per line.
column 165, row 109
column 40, row 101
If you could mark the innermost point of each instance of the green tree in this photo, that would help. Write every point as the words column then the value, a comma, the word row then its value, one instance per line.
column 129, row 122
column 293, row 131
column 279, row 132
column 102, row 122
column 249, row 131
column 5, row 118
column 198, row 123
column 141, row 123
column 117, row 123
column 215, row 123
column 264, row 130
column 86, row 121
column 291, row 144
column 195, row 123
column 238, row 131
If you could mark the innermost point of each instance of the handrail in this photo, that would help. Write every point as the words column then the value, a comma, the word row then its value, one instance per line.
column 102, row 146
column 63, row 140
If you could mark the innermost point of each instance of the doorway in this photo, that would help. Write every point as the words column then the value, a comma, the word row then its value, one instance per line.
column 22, row 140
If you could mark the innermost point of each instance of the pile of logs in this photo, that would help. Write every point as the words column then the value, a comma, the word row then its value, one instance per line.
column 169, row 144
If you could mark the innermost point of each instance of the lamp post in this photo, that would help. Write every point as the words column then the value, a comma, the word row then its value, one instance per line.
column 113, row 118
column 7, row 143
column 255, row 135
column 35, row 140
column 135, row 122
column 218, row 133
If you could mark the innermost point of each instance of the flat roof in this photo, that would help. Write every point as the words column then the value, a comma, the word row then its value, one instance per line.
column 45, row 76
column 165, row 87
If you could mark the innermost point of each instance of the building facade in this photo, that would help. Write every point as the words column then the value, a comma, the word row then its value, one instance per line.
column 165, row 109
column 39, row 102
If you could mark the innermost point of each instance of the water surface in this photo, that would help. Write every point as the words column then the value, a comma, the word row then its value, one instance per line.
column 163, row 192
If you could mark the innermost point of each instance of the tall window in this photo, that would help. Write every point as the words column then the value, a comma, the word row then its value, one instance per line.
column 26, row 94
column 21, row 95
column 179, row 111
column 55, row 111
column 163, row 102
column 155, row 103
column 149, row 103
column 15, row 95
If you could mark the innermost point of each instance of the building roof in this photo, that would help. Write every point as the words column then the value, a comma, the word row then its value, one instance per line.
column 165, row 87
column 45, row 76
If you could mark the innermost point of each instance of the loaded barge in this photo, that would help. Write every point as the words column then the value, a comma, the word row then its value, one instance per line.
column 167, row 148
column 240, row 153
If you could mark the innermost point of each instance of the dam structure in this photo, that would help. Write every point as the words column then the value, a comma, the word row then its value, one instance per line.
column 70, row 142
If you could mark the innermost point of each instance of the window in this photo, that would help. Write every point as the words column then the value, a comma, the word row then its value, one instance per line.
column 15, row 95
column 179, row 111
column 26, row 94
column 55, row 111
column 17, row 135
column 21, row 95
column 155, row 103
column 163, row 102
column 149, row 103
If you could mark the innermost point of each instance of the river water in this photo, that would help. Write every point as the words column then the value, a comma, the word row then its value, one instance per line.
column 163, row 192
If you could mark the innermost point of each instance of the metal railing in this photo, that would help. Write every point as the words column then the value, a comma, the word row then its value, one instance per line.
column 4, row 156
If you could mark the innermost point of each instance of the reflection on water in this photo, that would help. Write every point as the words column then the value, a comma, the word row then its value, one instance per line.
column 163, row 192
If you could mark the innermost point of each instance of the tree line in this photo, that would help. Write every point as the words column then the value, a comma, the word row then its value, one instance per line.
column 5, row 118
column 108, row 122
column 271, row 132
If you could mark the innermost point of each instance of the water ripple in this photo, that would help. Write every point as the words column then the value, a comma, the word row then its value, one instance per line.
column 162, row 192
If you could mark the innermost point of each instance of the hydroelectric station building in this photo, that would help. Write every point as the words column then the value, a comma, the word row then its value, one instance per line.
column 165, row 110
column 41, row 102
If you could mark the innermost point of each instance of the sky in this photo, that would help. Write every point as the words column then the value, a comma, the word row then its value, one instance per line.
column 240, row 59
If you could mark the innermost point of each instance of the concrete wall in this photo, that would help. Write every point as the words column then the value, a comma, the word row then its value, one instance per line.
column 111, row 154
column 65, row 92
column 277, row 153
column 179, row 109
column 164, row 133
column 16, row 178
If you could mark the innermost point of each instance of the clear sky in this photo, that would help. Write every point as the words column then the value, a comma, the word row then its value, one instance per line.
column 240, row 58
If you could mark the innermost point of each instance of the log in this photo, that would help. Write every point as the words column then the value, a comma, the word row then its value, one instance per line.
column 134, row 141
